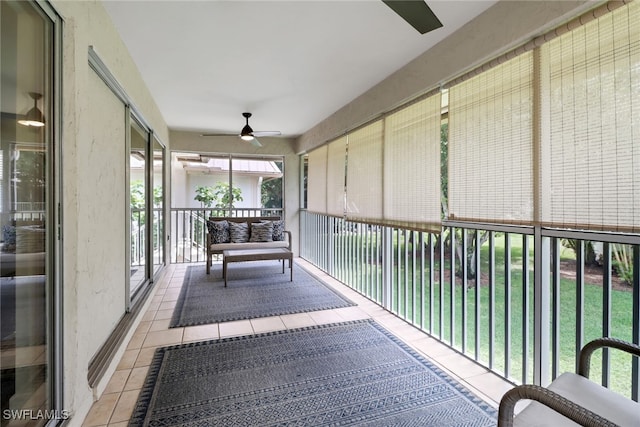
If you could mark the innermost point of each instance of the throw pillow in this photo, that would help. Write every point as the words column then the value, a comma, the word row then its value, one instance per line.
column 278, row 230
column 261, row 232
column 219, row 231
column 239, row 232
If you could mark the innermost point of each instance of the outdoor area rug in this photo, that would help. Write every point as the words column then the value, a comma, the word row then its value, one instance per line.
column 353, row 373
column 254, row 289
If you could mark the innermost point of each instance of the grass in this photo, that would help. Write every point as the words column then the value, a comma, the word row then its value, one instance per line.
column 410, row 301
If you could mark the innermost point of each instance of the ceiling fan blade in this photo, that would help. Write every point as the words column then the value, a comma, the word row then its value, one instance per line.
column 266, row 133
column 255, row 142
column 417, row 13
column 219, row 134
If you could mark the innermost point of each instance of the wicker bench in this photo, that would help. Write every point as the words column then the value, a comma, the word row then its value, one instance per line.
column 573, row 398
column 214, row 248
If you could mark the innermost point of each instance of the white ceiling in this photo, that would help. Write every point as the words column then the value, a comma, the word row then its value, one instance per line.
column 290, row 63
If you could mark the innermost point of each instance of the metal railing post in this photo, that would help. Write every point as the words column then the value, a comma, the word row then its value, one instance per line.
column 541, row 307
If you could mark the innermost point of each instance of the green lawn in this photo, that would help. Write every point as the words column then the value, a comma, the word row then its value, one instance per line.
column 409, row 299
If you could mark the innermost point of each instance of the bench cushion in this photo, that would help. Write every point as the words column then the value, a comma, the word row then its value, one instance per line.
column 586, row 393
column 218, row 248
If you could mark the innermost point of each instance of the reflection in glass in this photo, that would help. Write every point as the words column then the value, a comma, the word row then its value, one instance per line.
column 138, row 200
column 25, row 60
column 158, row 206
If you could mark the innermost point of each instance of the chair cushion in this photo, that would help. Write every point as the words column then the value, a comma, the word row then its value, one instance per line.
column 248, row 245
column 604, row 402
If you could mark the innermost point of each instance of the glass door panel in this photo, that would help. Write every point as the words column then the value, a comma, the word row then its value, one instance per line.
column 158, row 206
column 26, row 280
column 138, row 189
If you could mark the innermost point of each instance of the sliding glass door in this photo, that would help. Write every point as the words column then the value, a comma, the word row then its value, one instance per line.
column 146, row 200
column 138, row 196
column 28, row 285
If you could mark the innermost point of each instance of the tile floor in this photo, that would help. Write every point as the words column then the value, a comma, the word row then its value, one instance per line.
column 119, row 398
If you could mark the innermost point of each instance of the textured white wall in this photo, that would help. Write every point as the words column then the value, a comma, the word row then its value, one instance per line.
column 100, row 265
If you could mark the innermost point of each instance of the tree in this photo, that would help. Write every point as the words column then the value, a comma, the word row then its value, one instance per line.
column 218, row 194
column 204, row 195
column 271, row 193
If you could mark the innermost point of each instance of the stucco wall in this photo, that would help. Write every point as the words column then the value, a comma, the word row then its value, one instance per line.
column 504, row 26
column 93, row 190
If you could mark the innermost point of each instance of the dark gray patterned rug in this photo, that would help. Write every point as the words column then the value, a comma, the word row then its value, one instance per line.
column 255, row 289
column 353, row 373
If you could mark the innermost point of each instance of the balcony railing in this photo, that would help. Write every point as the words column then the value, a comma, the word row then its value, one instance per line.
column 520, row 301
column 188, row 229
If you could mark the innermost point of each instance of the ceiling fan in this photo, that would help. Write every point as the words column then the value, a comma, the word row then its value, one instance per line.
column 248, row 134
column 417, row 13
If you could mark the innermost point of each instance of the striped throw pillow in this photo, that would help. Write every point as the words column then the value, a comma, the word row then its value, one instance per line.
column 239, row 232
column 261, row 232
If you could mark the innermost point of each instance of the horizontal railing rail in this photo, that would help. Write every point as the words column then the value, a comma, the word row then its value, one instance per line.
column 189, row 228
column 519, row 300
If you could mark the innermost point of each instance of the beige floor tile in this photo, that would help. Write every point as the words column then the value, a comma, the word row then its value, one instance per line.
column 298, row 320
column 143, row 327
column 351, row 313
column 391, row 323
column 101, row 410
column 232, row 329
column 161, row 338
column 201, row 333
column 136, row 378
column 145, row 357
column 490, row 384
column 432, row 348
column 124, row 407
column 117, row 381
column 325, row 316
column 460, row 365
column 164, row 314
column 176, row 282
column 174, row 293
column 128, row 359
column 267, row 324
column 169, row 305
column 149, row 315
column 410, row 334
column 153, row 306
column 159, row 325
column 120, row 424
column 136, row 341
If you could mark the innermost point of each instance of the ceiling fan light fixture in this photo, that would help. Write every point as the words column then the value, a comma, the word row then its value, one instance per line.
column 246, row 133
column 34, row 116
